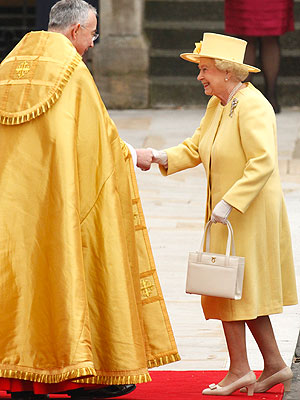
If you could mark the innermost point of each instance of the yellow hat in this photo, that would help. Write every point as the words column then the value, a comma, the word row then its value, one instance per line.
column 222, row 47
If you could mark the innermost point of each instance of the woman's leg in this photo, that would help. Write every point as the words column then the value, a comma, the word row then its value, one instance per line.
column 270, row 62
column 250, row 54
column 236, row 344
column 262, row 331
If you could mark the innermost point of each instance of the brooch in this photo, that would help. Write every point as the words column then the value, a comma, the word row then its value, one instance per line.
column 233, row 105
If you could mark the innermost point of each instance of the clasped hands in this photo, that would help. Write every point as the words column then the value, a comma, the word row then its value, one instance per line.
column 145, row 157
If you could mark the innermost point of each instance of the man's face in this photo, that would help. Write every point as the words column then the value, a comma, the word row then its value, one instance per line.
column 85, row 34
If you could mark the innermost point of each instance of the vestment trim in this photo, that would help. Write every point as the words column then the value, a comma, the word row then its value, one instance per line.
column 21, row 117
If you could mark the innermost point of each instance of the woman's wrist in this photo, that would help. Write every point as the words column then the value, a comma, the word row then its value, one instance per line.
column 160, row 157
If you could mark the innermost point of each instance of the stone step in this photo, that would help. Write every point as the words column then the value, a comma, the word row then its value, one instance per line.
column 182, row 35
column 178, row 91
column 168, row 63
column 184, row 10
column 173, row 26
column 177, row 35
column 191, row 10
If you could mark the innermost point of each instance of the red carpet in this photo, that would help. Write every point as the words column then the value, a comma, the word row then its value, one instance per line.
column 188, row 385
column 185, row 385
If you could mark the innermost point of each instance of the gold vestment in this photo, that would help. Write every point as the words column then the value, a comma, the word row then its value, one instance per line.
column 80, row 297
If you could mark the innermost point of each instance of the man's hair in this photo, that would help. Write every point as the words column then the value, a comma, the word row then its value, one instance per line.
column 66, row 13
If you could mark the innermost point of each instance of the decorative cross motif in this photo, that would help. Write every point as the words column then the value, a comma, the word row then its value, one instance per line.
column 22, row 69
column 146, row 287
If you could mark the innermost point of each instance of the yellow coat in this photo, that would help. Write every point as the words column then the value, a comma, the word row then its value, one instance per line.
column 80, row 297
column 238, row 149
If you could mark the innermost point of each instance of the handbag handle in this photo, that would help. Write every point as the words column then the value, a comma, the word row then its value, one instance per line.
column 230, row 239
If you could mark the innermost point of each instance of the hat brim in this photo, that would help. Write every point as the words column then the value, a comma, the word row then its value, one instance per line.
column 195, row 58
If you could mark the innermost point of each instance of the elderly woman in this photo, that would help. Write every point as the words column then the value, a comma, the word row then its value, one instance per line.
column 236, row 142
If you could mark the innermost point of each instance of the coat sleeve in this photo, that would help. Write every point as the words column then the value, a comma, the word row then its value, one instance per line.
column 257, row 127
column 184, row 155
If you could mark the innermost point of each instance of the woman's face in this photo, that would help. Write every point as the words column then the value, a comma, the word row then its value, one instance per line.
column 212, row 79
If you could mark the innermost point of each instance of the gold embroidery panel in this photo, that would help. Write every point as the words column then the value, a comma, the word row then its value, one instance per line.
column 148, row 287
column 22, row 69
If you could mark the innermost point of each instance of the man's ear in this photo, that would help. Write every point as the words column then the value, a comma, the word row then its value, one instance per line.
column 74, row 31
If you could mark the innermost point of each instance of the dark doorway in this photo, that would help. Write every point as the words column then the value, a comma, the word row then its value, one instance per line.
column 17, row 17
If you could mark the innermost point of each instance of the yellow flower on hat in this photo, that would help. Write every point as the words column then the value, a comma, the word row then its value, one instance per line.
column 197, row 49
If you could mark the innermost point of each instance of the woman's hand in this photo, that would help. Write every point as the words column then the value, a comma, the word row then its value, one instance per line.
column 160, row 157
column 221, row 212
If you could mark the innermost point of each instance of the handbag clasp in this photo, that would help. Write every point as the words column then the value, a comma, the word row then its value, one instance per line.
column 213, row 259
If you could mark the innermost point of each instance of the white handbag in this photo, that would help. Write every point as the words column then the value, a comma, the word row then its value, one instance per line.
column 218, row 275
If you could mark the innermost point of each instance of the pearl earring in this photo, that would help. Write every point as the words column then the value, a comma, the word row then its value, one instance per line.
column 226, row 79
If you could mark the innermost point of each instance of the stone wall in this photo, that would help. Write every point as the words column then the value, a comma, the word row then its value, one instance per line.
column 121, row 58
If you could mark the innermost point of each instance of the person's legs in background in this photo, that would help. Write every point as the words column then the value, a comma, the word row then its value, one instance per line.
column 269, row 50
column 250, row 54
column 270, row 62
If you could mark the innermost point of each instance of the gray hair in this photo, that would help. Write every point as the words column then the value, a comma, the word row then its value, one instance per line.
column 66, row 13
column 240, row 72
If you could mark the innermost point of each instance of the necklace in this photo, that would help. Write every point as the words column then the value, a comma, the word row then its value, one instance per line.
column 234, row 90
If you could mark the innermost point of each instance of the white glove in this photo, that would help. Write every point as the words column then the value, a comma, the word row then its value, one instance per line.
column 221, row 212
column 160, row 157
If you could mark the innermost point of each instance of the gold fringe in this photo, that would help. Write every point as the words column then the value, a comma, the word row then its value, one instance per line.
column 158, row 362
column 39, row 109
column 44, row 378
column 115, row 380
column 80, row 375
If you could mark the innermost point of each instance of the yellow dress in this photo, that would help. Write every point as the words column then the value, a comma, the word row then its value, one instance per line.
column 80, row 297
column 237, row 145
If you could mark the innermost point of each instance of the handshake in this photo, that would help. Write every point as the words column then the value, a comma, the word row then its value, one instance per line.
column 145, row 157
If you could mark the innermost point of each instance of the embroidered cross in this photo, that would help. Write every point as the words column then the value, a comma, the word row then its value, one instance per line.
column 22, row 69
column 146, row 287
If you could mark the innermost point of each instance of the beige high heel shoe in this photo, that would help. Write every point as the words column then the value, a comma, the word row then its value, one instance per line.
column 247, row 380
column 284, row 376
